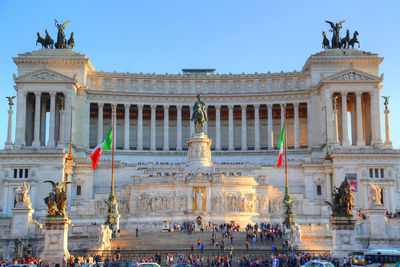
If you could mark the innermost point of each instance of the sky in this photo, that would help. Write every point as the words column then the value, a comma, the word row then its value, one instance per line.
column 230, row 36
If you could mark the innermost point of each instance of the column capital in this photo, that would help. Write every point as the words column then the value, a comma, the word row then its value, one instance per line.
column 179, row 107
column 269, row 105
column 100, row 104
column 37, row 93
column 296, row 104
column 52, row 93
column 166, row 106
column 230, row 106
column 217, row 106
column 358, row 93
column 153, row 106
column 256, row 106
column 243, row 106
column 140, row 106
column 127, row 105
column 344, row 93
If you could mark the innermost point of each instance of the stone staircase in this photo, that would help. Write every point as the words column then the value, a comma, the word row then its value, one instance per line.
column 181, row 240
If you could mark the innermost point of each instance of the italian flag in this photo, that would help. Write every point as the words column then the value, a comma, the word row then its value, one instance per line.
column 281, row 146
column 105, row 145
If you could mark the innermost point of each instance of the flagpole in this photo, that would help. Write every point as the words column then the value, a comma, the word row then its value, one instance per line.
column 113, row 214
column 289, row 221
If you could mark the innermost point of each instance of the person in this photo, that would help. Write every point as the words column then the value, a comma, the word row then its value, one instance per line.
column 247, row 245
column 137, row 232
column 344, row 262
column 254, row 241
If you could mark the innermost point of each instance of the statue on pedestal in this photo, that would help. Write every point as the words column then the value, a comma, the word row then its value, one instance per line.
column 61, row 42
column 343, row 200
column 105, row 237
column 199, row 115
column 57, row 199
column 22, row 199
column 10, row 101
column 335, row 29
column 375, row 196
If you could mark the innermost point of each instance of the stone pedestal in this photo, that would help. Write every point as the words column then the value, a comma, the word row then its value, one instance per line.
column 343, row 236
column 199, row 152
column 377, row 226
column 165, row 226
column 55, row 240
column 388, row 142
column 22, row 218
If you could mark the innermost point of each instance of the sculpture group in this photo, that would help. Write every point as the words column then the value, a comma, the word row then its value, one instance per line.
column 336, row 41
column 57, row 199
column 342, row 200
column 62, row 43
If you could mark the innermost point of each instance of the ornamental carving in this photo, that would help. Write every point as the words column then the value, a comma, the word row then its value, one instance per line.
column 45, row 76
column 352, row 76
column 149, row 203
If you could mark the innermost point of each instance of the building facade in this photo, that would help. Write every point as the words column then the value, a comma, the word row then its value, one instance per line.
column 332, row 103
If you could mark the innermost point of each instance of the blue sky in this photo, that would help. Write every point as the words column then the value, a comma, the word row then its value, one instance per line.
column 231, row 36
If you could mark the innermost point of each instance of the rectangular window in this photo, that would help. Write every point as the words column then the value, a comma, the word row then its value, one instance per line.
column 78, row 190
column 21, row 172
column 376, row 173
column 382, row 173
column 319, row 190
column 15, row 173
column 371, row 173
column 26, row 173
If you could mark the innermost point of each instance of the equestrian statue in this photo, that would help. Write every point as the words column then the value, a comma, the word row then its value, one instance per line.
column 338, row 42
column 199, row 115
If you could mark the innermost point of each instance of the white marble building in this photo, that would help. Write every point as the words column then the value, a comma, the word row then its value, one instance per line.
column 153, row 181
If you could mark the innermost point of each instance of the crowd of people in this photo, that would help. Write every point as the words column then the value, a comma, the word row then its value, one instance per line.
column 274, row 260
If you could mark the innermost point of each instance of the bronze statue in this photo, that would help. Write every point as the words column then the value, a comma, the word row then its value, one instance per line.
column 40, row 40
column 57, row 199
column 71, row 41
column 354, row 40
column 199, row 115
column 386, row 103
column 335, row 30
column 343, row 200
column 325, row 41
column 61, row 42
column 48, row 41
column 344, row 42
column 10, row 101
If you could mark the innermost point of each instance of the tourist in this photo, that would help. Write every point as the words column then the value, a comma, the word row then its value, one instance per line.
column 137, row 231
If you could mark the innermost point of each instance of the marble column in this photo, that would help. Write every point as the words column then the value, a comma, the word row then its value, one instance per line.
column 206, row 122
column 36, row 137
column 336, row 126
column 60, row 142
column 166, row 128
column 244, row 128
column 376, row 119
column 360, row 134
column 309, row 124
column 282, row 115
column 100, row 136
column 270, row 129
column 153, row 128
column 191, row 122
column 296, row 126
column 257, row 146
column 388, row 142
column 179, row 127
column 43, row 122
column 218, row 127
column 345, row 134
column 8, row 144
column 140, row 128
column 51, row 141
column 20, row 122
column 126, row 127
column 230, row 131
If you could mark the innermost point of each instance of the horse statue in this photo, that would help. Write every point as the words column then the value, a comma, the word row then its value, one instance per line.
column 354, row 40
column 41, row 40
column 199, row 116
column 343, row 200
column 344, row 42
column 325, row 41
column 48, row 41
column 71, row 41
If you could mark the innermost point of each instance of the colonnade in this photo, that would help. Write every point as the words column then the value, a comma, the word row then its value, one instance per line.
column 269, row 113
column 362, row 109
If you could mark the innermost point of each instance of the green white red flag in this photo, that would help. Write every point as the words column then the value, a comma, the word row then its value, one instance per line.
column 106, row 144
column 281, row 146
